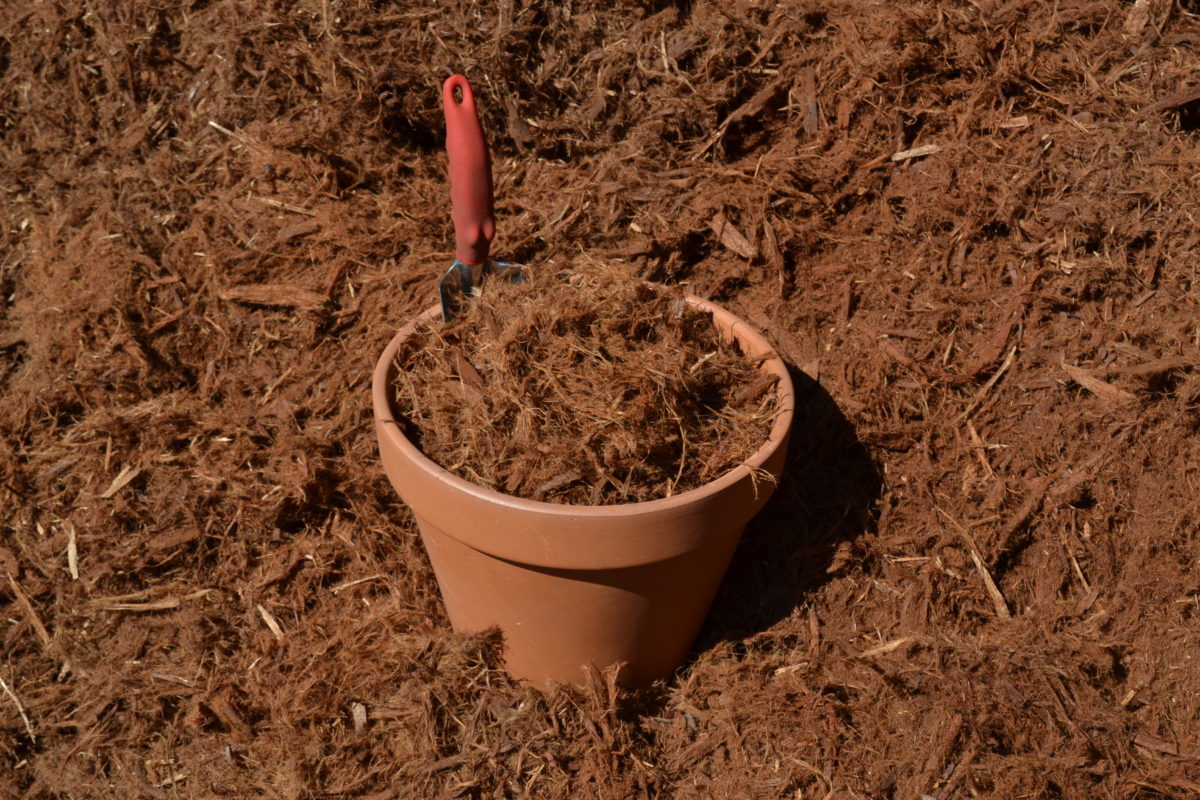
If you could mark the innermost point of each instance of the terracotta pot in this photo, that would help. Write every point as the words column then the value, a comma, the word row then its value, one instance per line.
column 570, row 585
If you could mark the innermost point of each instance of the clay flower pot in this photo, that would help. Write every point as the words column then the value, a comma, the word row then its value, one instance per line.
column 570, row 585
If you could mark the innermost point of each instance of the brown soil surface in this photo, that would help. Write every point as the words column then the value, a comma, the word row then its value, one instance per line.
column 970, row 227
column 591, row 388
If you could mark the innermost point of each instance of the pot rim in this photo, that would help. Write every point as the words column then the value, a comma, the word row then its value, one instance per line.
column 752, row 341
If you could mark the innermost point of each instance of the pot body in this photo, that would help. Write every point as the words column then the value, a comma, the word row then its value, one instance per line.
column 578, row 586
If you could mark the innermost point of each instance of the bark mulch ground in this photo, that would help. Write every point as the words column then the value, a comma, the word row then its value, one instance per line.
column 969, row 227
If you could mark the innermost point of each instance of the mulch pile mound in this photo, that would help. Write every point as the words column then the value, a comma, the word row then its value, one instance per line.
column 969, row 225
column 599, row 390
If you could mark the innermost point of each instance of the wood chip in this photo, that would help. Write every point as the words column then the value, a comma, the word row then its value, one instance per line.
column 169, row 540
column 20, row 710
column 1152, row 368
column 917, row 152
column 162, row 676
column 562, row 479
column 791, row 668
column 520, row 131
column 886, row 647
column 814, row 634
column 731, row 237
column 170, row 319
column 72, row 553
column 1156, row 743
column 754, row 391
column 275, row 295
column 1139, row 15
column 516, row 478
column 902, row 333
column 178, row 777
column 698, row 750
column 808, row 101
column 1015, row 122
column 748, row 109
column 446, row 763
column 298, row 230
column 1183, row 98
column 1078, row 475
column 771, row 248
column 34, row 620
column 1108, row 393
column 980, row 450
column 165, row 604
column 356, row 582
column 466, row 370
column 271, row 623
column 285, row 206
column 989, row 585
column 221, row 707
column 359, row 714
column 123, row 479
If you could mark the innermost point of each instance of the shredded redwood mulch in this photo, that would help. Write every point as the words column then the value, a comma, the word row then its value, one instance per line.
column 970, row 225
column 598, row 390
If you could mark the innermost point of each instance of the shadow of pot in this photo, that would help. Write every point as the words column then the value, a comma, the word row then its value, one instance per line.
column 808, row 532
column 578, row 586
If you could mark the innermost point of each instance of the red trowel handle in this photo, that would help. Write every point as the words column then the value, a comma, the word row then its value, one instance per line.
column 470, row 174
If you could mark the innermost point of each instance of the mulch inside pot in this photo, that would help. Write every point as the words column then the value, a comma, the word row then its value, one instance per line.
column 598, row 390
